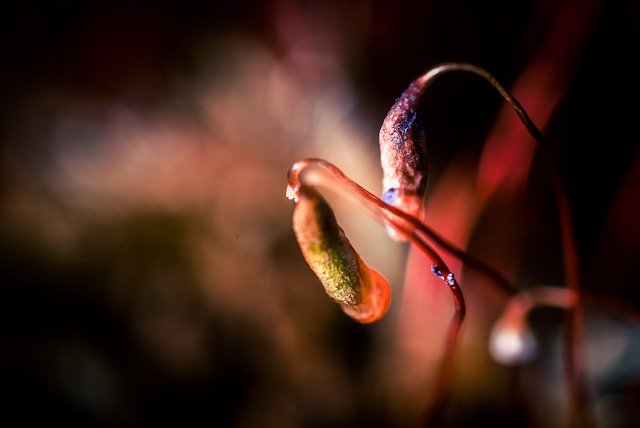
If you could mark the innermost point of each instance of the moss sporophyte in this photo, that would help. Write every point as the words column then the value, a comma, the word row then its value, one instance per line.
column 364, row 294
column 361, row 292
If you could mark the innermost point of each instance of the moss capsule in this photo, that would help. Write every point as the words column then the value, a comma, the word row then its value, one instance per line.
column 403, row 151
column 361, row 291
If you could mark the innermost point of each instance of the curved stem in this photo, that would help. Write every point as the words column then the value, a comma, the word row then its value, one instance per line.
column 546, row 296
column 574, row 345
column 383, row 212
column 386, row 213
column 441, row 391
column 407, row 229
column 439, row 268
column 570, row 254
column 574, row 353
column 521, row 304
column 569, row 250
column 517, row 107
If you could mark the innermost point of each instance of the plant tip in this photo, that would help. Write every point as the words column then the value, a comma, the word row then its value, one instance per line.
column 511, row 345
column 360, row 291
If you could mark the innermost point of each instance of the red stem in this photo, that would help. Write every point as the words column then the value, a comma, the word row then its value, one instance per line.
column 442, row 385
column 574, row 339
column 574, row 342
column 500, row 284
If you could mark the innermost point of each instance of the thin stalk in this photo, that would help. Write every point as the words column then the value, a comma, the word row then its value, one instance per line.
column 386, row 213
column 436, row 404
column 441, row 390
column 574, row 342
column 442, row 384
column 511, row 341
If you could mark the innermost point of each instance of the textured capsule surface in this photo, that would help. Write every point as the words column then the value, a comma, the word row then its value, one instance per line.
column 361, row 291
column 403, row 151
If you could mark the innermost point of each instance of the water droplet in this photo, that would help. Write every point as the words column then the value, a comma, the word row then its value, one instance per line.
column 451, row 279
column 390, row 196
column 436, row 270
column 292, row 192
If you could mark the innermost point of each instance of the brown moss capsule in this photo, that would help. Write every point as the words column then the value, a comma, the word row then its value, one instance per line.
column 361, row 292
column 403, row 151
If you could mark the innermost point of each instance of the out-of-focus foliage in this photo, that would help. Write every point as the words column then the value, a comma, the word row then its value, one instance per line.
column 149, row 272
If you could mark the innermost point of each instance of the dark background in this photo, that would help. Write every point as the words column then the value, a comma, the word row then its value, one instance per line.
column 70, row 349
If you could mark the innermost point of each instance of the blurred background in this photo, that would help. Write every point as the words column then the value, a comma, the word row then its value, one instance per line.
column 149, row 273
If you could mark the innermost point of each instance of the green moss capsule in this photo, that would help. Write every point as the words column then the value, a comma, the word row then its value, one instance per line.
column 361, row 292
